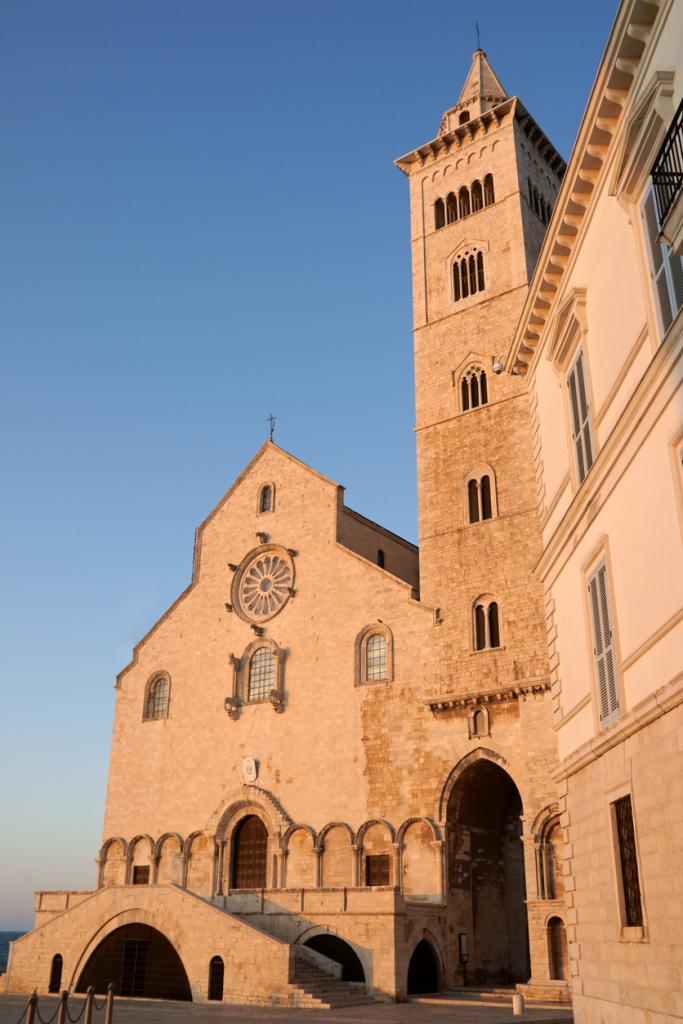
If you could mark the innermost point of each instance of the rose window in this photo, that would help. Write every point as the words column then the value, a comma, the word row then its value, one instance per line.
column 264, row 585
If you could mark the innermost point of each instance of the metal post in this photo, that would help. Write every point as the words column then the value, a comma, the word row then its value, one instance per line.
column 31, row 1009
column 61, row 1012
column 109, row 1009
column 88, row 1005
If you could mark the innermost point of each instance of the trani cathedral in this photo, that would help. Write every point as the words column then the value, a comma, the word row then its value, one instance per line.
column 335, row 774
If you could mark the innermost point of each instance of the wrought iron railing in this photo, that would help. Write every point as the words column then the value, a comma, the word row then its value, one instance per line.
column 667, row 172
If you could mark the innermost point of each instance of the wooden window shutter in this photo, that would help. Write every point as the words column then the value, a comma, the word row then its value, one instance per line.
column 603, row 645
column 665, row 267
column 580, row 417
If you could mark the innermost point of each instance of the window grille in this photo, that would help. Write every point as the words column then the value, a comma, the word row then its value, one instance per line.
column 377, row 869
column 376, row 657
column 157, row 699
column 603, row 645
column 667, row 173
column 261, row 674
column 666, row 268
column 628, row 862
column 580, row 417
column 141, row 874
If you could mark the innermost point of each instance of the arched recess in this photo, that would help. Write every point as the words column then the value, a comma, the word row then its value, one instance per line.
column 549, row 843
column 55, row 982
column 341, row 952
column 558, row 952
column 140, row 860
column 140, row 961
column 335, row 843
column 216, row 977
column 375, row 839
column 168, row 858
column 486, row 884
column 256, row 801
column 113, row 862
column 199, row 859
column 424, row 970
column 301, row 858
column 419, row 842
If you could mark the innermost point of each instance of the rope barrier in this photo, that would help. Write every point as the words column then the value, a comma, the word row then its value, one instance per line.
column 32, row 1009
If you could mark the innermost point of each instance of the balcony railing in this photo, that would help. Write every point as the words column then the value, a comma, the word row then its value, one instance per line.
column 667, row 173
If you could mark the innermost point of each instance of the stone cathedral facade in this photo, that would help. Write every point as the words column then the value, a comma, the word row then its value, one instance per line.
column 332, row 761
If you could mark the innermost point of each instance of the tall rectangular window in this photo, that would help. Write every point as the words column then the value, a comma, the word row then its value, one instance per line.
column 603, row 645
column 666, row 269
column 628, row 863
column 580, row 417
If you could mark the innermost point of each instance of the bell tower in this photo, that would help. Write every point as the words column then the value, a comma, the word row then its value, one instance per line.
column 481, row 194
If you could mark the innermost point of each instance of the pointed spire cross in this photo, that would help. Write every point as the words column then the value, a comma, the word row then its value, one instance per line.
column 271, row 423
column 476, row 25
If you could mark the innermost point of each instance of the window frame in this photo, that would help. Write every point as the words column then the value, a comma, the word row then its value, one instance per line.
column 650, row 238
column 361, row 654
column 476, row 476
column 627, row 932
column 485, row 601
column 265, row 511
column 154, row 679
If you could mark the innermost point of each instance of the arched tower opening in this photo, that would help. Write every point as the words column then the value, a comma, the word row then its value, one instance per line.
column 486, row 885
column 341, row 952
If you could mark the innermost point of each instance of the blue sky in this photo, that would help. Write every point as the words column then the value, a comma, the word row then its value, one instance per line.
column 201, row 225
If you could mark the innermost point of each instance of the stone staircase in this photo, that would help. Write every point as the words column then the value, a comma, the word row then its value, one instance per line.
column 313, row 987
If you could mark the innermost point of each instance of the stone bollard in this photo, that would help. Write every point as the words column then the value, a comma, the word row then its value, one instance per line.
column 517, row 1004
column 61, row 1012
column 109, row 1008
column 88, row 1005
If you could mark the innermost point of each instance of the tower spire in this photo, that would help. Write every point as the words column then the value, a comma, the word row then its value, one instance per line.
column 482, row 89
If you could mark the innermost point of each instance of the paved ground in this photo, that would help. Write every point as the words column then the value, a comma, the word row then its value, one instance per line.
column 140, row 1011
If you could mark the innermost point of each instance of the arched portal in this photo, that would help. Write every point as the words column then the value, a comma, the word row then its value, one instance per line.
column 423, row 970
column 486, row 884
column 249, row 854
column 341, row 952
column 140, row 961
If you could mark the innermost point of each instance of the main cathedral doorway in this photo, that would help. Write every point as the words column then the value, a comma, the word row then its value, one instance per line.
column 486, row 885
column 140, row 961
column 249, row 854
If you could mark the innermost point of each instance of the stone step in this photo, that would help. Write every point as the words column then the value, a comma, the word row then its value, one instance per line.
column 313, row 988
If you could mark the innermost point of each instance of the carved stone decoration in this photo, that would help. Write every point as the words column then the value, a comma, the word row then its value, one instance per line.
column 250, row 769
column 263, row 583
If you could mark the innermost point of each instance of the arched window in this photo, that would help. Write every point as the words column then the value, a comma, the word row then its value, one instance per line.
column 376, row 657
column 374, row 654
column 486, row 628
column 477, row 196
column 451, row 208
column 489, row 194
column 439, row 214
column 56, row 973
column 558, row 954
column 464, row 117
column 473, row 388
column 266, row 498
column 464, row 202
column 480, row 497
column 156, row 701
column 468, row 274
column 479, row 723
column 261, row 674
column 380, row 558
column 216, row 975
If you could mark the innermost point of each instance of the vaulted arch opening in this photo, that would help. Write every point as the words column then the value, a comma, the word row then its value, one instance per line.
column 140, row 961
column 486, row 883
column 423, row 970
column 341, row 952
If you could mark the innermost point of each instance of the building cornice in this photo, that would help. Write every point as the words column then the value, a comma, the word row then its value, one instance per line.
column 501, row 695
column 608, row 100
column 477, row 128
